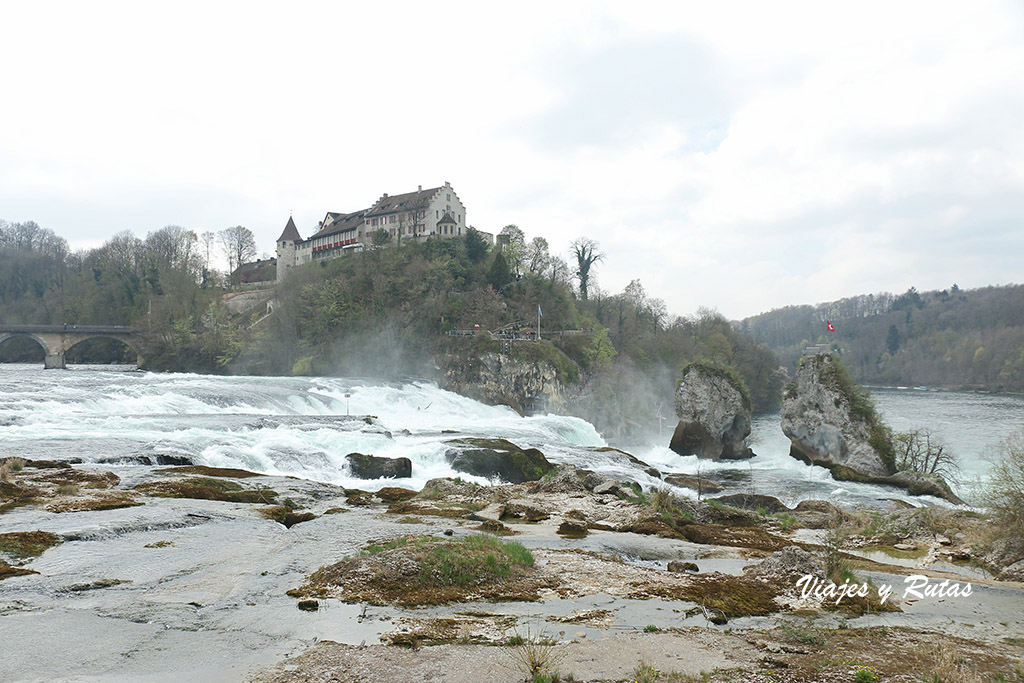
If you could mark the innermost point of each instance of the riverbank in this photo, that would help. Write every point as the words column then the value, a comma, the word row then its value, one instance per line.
column 143, row 585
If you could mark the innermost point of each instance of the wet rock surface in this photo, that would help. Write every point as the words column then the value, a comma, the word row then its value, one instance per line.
column 200, row 587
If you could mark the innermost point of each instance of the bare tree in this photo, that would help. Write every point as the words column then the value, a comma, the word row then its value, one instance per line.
column 558, row 270
column 207, row 241
column 238, row 244
column 124, row 251
column 175, row 248
column 537, row 255
column 920, row 451
column 586, row 253
column 1005, row 495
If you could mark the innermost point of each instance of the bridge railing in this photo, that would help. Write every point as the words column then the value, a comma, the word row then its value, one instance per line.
column 84, row 329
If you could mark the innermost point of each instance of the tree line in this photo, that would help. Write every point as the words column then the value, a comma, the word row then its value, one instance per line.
column 951, row 338
column 166, row 283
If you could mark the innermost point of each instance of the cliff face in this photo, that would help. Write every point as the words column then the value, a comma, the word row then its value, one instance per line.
column 498, row 379
column 818, row 418
column 714, row 416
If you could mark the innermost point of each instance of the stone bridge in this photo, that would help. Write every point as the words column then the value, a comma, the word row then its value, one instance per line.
column 57, row 339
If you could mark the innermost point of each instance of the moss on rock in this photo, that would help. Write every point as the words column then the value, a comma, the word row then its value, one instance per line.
column 284, row 515
column 27, row 543
column 7, row 571
column 227, row 472
column 202, row 488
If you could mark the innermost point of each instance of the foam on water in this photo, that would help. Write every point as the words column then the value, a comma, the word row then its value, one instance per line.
column 306, row 426
column 230, row 421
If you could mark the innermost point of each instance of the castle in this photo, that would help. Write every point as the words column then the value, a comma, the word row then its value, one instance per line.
column 417, row 216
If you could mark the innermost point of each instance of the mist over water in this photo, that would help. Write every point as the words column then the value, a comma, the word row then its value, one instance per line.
column 305, row 426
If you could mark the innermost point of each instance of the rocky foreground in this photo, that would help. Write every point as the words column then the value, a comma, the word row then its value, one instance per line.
column 196, row 573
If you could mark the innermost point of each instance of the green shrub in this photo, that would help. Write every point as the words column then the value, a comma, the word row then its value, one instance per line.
column 472, row 559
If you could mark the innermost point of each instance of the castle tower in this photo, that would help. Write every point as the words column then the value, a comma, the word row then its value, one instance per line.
column 287, row 249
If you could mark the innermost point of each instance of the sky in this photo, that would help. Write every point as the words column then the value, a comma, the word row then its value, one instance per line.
column 740, row 156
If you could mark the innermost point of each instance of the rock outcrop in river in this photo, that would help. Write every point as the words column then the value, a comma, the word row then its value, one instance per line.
column 714, row 414
column 832, row 423
column 826, row 425
column 499, row 379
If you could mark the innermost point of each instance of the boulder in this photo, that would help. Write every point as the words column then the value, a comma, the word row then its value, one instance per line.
column 830, row 422
column 609, row 486
column 573, row 528
column 679, row 567
column 375, row 467
column 698, row 483
column 516, row 510
column 592, row 479
column 493, row 526
column 822, row 425
column 714, row 414
column 566, row 480
column 787, row 564
column 393, row 494
column 817, row 514
column 497, row 459
column 751, row 501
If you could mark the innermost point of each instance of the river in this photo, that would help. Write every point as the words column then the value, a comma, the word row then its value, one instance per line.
column 298, row 426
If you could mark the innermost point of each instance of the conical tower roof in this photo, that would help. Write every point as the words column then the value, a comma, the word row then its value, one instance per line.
column 290, row 233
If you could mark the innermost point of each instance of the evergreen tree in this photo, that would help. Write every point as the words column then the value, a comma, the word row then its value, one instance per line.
column 499, row 275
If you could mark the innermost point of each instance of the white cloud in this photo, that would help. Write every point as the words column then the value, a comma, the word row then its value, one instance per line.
column 736, row 155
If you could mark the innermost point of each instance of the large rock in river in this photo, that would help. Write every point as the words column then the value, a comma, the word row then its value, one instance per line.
column 832, row 423
column 497, row 458
column 376, row 467
column 826, row 425
column 714, row 414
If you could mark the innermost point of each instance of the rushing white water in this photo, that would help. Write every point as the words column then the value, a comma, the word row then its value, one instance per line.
column 305, row 427
column 275, row 425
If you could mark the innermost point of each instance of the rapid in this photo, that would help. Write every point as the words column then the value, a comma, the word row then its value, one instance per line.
column 305, row 426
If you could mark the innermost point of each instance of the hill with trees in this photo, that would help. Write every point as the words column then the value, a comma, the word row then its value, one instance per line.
column 953, row 338
column 385, row 312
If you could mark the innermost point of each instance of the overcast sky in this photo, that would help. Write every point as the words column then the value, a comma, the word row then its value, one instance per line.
column 740, row 156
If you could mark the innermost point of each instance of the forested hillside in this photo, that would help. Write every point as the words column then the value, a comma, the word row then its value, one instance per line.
column 385, row 312
column 388, row 311
column 954, row 338
column 161, row 283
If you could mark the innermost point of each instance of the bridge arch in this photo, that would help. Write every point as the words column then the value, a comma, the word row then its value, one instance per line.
column 132, row 344
column 56, row 340
column 5, row 336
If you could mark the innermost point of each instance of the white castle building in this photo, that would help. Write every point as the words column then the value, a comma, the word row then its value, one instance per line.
column 417, row 216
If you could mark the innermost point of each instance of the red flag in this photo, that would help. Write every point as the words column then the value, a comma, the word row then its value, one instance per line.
column 830, row 328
